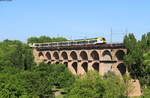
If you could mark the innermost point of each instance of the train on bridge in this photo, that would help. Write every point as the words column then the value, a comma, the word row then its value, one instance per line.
column 98, row 40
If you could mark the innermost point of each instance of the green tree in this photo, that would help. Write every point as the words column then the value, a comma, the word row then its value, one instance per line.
column 58, row 74
column 36, row 84
column 146, row 93
column 10, row 84
column 145, row 42
column 15, row 53
column 43, row 39
column 16, row 83
column 137, row 59
column 93, row 86
column 147, row 61
column 133, row 60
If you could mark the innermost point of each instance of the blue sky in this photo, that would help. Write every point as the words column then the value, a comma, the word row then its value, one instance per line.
column 73, row 19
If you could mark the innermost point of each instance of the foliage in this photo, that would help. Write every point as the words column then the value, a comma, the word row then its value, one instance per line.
column 137, row 52
column 36, row 84
column 23, row 83
column 147, row 61
column 58, row 74
column 94, row 86
column 10, row 84
column 138, row 60
column 146, row 93
column 43, row 39
column 15, row 53
column 133, row 60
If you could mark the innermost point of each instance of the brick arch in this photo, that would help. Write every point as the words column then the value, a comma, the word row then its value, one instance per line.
column 96, row 66
column 57, row 62
column 48, row 55
column 83, row 55
column 73, row 55
column 49, row 62
column 56, row 55
column 85, row 66
column 120, row 54
column 74, row 66
column 122, row 68
column 107, row 55
column 40, row 54
column 95, row 56
column 65, row 63
column 64, row 55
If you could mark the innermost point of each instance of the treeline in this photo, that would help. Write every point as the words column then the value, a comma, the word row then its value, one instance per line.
column 43, row 39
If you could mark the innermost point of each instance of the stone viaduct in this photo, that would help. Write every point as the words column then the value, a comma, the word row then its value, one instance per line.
column 81, row 59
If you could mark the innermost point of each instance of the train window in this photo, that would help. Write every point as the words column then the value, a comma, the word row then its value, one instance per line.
column 82, row 42
column 49, row 44
column 74, row 43
column 44, row 44
column 63, row 44
column 78, row 42
column 54, row 44
column 93, row 41
column 36, row 44
column 70, row 43
column 85, row 42
column 66, row 43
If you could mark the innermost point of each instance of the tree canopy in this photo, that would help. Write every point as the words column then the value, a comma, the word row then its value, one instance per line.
column 43, row 39
column 93, row 86
column 137, row 59
column 16, row 54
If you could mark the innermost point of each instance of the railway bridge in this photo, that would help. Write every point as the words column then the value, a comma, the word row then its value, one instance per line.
column 82, row 58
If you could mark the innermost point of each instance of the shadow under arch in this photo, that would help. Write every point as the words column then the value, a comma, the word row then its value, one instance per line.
column 83, row 55
column 66, row 64
column 64, row 56
column 48, row 55
column 120, row 54
column 56, row 55
column 40, row 54
column 96, row 66
column 122, row 68
column 94, row 54
column 73, row 55
column 107, row 55
column 74, row 65
column 85, row 66
column 57, row 63
column 49, row 62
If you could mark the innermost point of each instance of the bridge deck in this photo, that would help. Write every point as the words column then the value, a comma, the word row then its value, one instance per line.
column 79, row 47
